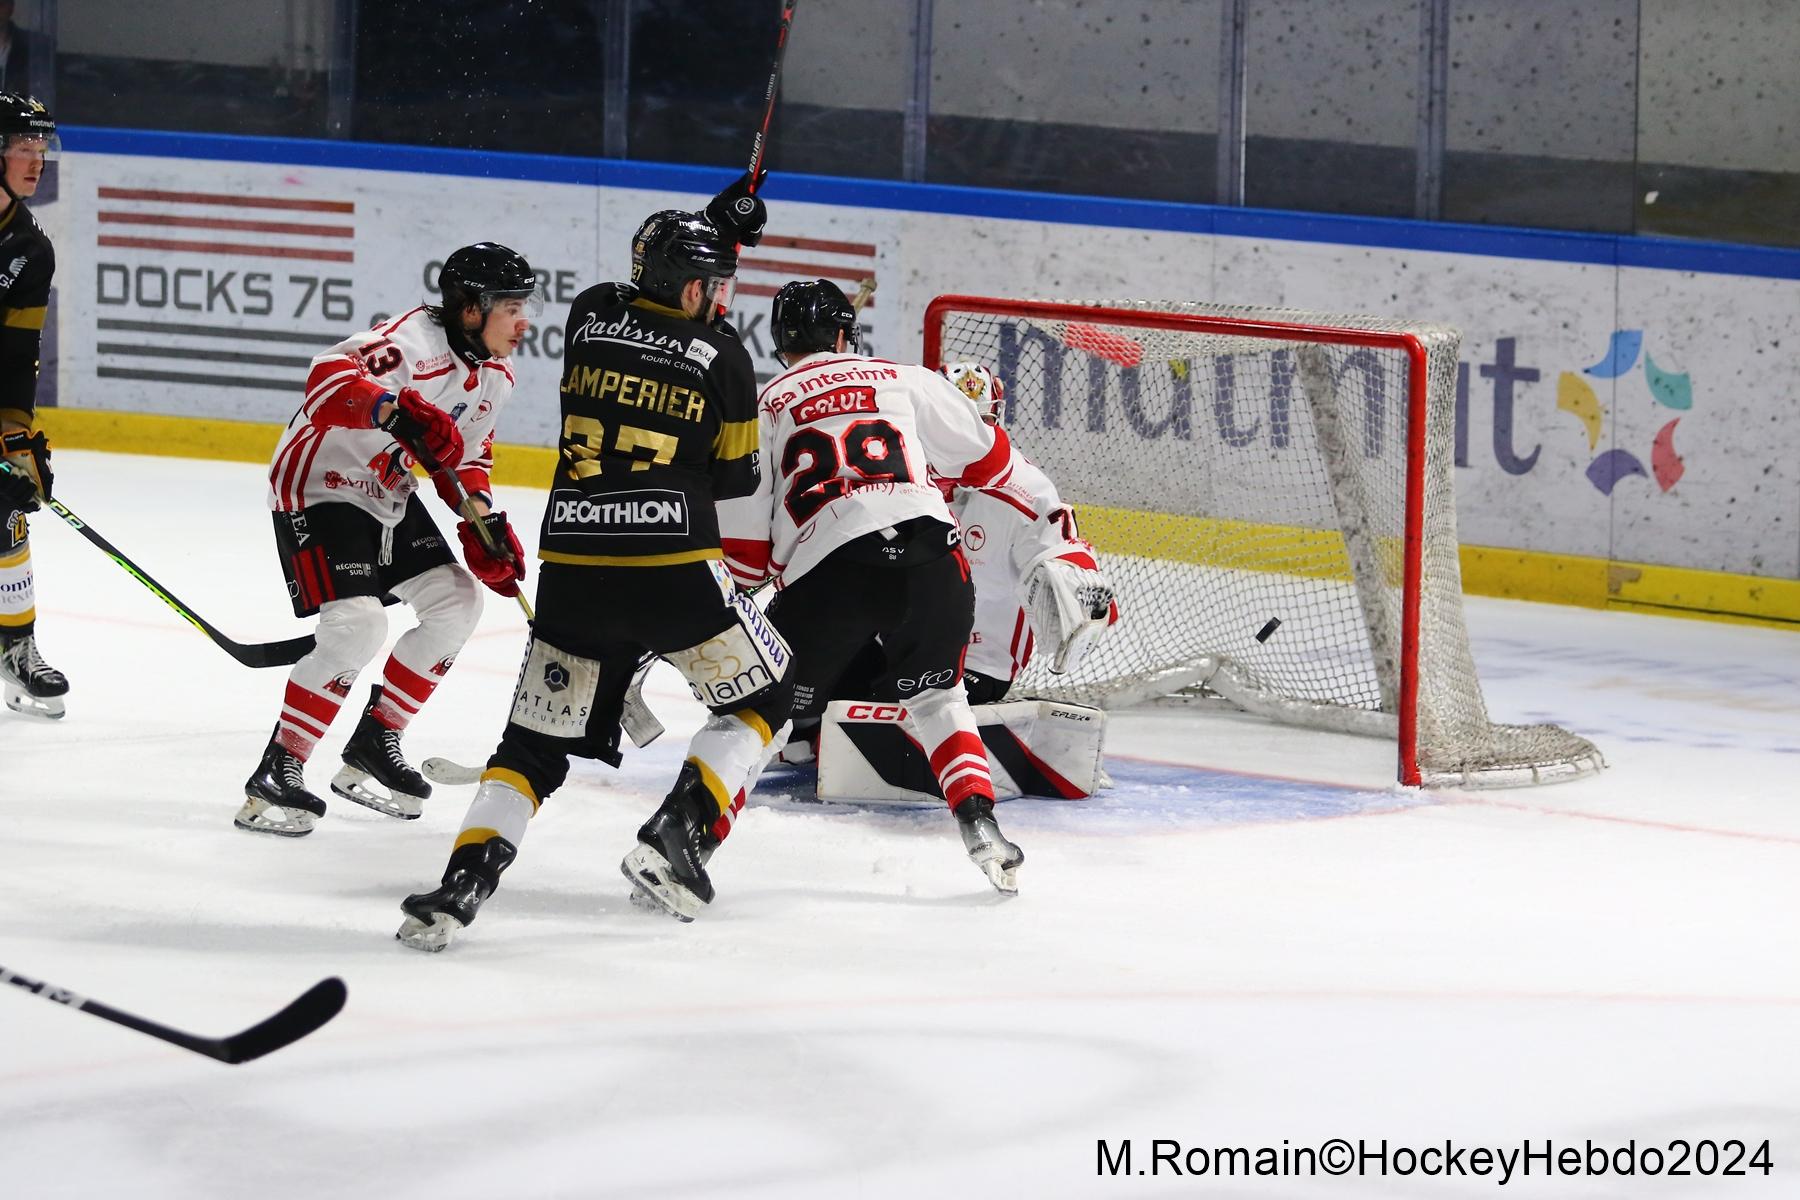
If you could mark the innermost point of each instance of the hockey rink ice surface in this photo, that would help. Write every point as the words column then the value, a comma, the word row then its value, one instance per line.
column 1252, row 940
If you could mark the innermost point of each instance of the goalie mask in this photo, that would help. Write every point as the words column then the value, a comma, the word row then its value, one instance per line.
column 983, row 388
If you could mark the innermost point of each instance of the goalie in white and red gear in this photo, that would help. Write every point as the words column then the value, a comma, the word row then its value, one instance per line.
column 860, row 545
column 1038, row 587
column 425, row 386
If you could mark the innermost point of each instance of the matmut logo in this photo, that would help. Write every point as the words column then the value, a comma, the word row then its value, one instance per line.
column 835, row 404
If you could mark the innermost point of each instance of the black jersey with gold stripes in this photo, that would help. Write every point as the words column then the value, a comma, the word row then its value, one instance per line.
column 27, row 264
column 658, row 423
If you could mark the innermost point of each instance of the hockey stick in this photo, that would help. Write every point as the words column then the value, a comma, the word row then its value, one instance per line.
column 637, row 721
column 317, row 1005
column 251, row 654
column 466, row 507
column 759, row 148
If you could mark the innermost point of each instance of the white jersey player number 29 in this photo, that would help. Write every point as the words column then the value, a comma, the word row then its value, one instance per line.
column 813, row 460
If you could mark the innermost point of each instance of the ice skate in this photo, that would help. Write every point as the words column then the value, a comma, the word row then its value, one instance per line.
column 275, row 797
column 433, row 919
column 668, row 865
column 372, row 756
column 988, row 848
column 33, row 686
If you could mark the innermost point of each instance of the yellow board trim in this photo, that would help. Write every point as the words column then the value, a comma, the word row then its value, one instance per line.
column 25, row 318
column 474, row 837
column 1487, row 571
column 707, row 777
column 515, row 781
column 631, row 560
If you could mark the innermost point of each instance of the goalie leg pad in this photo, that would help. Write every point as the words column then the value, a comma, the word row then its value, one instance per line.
column 1034, row 748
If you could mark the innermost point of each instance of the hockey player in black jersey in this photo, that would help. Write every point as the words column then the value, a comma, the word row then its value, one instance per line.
column 27, row 264
column 658, row 423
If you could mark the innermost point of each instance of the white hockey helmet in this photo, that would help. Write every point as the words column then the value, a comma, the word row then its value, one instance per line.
column 984, row 389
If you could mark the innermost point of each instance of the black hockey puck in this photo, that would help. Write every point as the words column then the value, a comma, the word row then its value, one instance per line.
column 1263, row 634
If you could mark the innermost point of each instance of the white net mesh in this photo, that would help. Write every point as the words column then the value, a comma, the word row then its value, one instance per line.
column 1239, row 485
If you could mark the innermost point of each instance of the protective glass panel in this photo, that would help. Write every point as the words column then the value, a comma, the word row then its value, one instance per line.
column 1331, row 105
column 844, row 88
column 1718, row 132
column 1118, row 99
column 1542, row 113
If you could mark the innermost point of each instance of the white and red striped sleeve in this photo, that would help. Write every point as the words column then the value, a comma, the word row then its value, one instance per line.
column 958, row 444
column 345, row 382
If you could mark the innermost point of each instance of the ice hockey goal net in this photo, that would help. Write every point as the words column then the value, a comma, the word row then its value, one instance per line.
column 1272, row 493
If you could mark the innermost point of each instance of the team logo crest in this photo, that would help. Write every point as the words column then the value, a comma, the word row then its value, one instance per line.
column 339, row 686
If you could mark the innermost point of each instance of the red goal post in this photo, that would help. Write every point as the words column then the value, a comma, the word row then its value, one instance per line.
column 1215, row 463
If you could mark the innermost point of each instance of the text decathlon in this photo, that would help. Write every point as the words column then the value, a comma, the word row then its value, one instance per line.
column 618, row 512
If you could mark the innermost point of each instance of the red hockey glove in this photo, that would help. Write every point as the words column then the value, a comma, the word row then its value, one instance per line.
column 500, row 572
column 425, row 429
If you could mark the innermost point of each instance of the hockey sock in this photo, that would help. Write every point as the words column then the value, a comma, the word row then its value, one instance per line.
column 404, row 690
column 350, row 632
column 730, row 751
column 18, row 605
column 947, row 733
column 448, row 602
column 502, row 806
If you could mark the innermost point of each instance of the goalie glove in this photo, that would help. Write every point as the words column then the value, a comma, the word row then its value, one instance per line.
column 27, row 477
column 1069, row 606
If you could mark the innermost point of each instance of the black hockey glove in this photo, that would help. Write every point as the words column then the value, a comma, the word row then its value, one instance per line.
column 27, row 457
column 738, row 212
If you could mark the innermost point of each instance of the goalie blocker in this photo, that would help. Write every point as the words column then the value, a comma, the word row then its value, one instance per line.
column 1034, row 748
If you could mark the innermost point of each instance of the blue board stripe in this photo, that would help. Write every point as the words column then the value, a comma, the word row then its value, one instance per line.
column 1711, row 258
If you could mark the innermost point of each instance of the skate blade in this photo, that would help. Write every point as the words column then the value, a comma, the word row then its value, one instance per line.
column 352, row 784
column 449, row 773
column 651, row 878
column 431, row 936
column 43, row 708
column 1000, row 861
column 259, row 816
column 1004, row 878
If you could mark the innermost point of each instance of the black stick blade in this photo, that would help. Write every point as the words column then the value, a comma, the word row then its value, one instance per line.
column 321, row 1002
column 271, row 654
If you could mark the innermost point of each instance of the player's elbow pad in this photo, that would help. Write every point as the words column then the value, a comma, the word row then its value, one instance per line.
column 351, row 404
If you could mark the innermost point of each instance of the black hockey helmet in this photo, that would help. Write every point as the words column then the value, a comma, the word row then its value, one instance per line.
column 672, row 247
column 20, row 115
column 479, row 275
column 485, row 272
column 809, row 314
